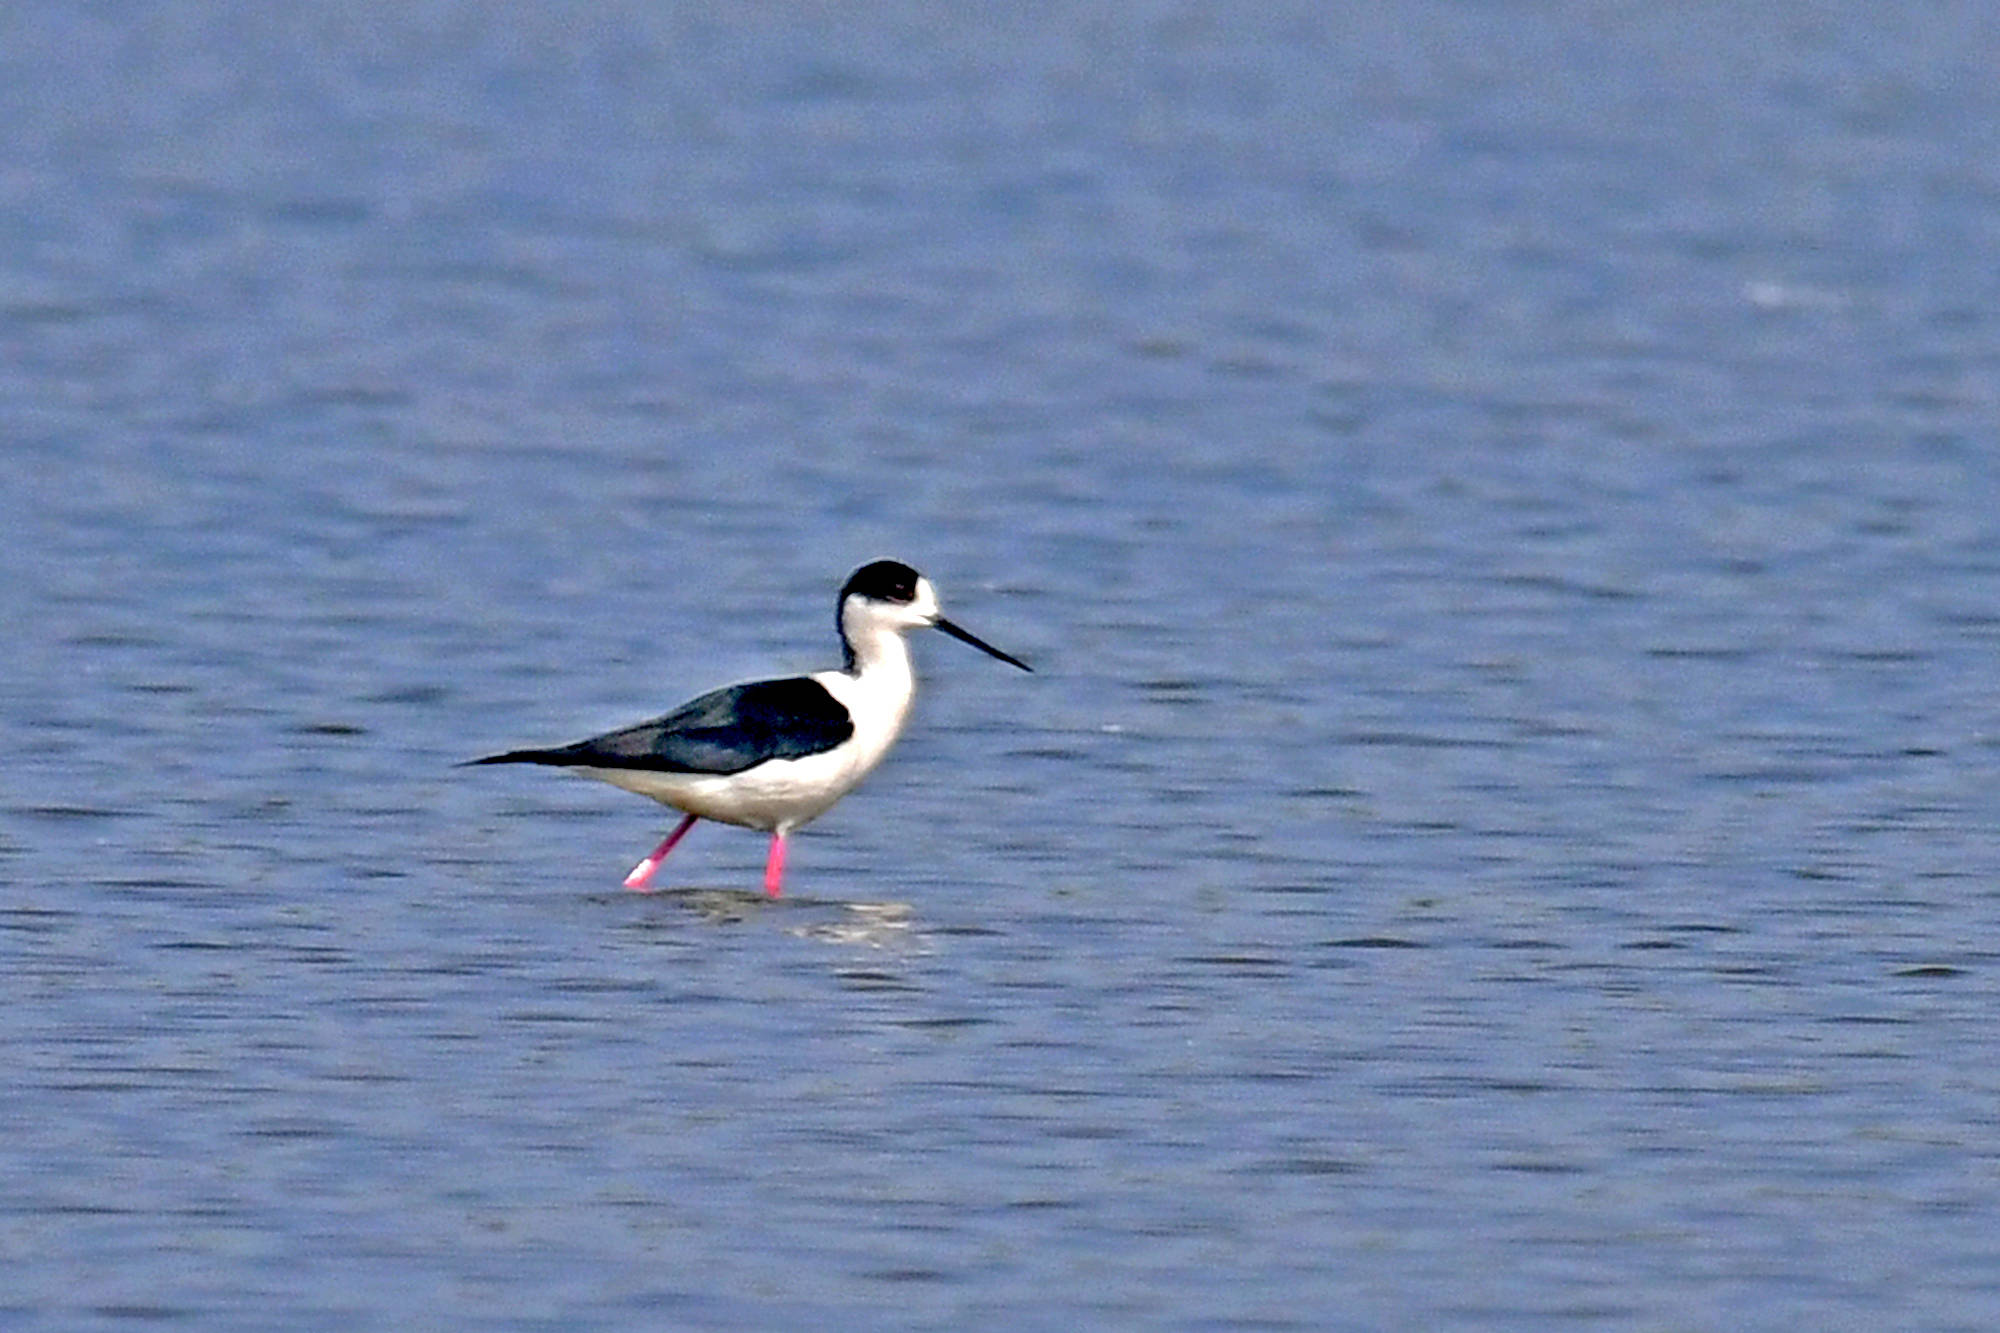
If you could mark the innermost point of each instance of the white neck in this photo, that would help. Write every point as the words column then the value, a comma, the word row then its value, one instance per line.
column 876, row 688
column 875, row 649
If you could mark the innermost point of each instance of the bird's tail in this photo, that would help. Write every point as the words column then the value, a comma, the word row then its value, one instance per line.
column 521, row 757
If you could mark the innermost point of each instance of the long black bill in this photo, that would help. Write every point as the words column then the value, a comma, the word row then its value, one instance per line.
column 965, row 637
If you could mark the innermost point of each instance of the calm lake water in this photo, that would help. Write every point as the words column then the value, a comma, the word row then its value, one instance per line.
column 1502, row 501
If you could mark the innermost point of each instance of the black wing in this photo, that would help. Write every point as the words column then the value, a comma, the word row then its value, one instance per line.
column 724, row 731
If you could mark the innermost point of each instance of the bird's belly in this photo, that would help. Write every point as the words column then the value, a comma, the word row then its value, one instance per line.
column 776, row 793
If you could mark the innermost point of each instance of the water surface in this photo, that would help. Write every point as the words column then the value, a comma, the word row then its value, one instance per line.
column 1500, row 501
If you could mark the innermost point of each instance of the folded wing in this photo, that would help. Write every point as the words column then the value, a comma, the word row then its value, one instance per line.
column 722, row 732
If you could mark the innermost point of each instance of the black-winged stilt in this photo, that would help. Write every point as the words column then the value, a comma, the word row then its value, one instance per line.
column 776, row 754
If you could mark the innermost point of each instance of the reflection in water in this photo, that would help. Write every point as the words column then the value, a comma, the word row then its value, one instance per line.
column 878, row 925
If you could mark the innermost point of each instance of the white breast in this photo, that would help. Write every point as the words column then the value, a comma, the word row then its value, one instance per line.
column 877, row 698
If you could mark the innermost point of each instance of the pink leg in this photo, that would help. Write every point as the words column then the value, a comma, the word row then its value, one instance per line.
column 636, row 881
column 774, row 866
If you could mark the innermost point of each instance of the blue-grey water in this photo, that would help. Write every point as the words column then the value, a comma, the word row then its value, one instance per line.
column 1502, row 500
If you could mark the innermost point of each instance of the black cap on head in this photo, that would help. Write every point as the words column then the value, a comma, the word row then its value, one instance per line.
column 882, row 581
